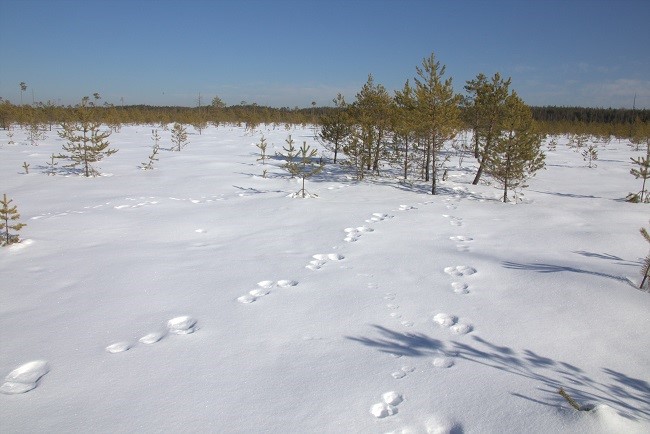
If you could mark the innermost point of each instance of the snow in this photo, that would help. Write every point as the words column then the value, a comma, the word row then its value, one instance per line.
column 369, row 307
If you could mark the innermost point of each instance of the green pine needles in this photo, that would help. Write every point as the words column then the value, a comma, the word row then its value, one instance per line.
column 85, row 144
column 642, row 170
column 645, row 270
column 301, row 163
column 9, row 221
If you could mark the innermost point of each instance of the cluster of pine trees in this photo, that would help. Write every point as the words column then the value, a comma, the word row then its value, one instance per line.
column 418, row 127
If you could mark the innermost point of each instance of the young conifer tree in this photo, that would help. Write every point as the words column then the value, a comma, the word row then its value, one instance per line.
column 86, row 143
column 516, row 154
column 641, row 171
column 9, row 214
column 438, row 111
column 335, row 126
column 486, row 106
column 306, row 166
column 645, row 270
column 179, row 137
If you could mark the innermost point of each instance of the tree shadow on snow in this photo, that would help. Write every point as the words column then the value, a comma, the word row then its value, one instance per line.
column 629, row 396
column 608, row 257
column 552, row 268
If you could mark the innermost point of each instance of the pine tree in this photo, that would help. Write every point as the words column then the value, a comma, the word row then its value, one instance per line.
column 51, row 165
column 289, row 157
column 438, row 112
column 305, row 167
column 405, row 125
column 516, row 154
column 7, row 215
column 335, row 126
column 643, row 172
column 371, row 114
column 262, row 147
column 645, row 270
column 179, row 137
column 86, row 143
column 485, row 108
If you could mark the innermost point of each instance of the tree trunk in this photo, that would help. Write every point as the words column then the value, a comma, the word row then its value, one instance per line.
column 406, row 159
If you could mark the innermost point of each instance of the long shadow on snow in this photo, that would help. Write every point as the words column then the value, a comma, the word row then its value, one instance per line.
column 552, row 268
column 608, row 257
column 629, row 396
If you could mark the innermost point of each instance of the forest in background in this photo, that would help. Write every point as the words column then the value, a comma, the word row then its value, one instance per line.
column 621, row 123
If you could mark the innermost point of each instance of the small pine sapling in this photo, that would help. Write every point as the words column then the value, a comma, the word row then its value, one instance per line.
column 179, row 137
column 306, row 166
column 51, row 165
column 9, row 214
column 262, row 147
column 289, row 157
column 590, row 154
column 645, row 270
column 153, row 157
column 10, row 136
column 26, row 167
column 643, row 172
column 85, row 142
column 35, row 133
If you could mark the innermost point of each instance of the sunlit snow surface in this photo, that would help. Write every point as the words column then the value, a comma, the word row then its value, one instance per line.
column 201, row 297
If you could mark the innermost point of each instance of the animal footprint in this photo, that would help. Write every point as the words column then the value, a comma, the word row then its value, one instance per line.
column 118, row 347
column 460, row 287
column 461, row 328
column 405, row 208
column 388, row 406
column 353, row 234
column 460, row 270
column 265, row 289
column 181, row 325
column 25, row 377
column 151, row 338
column 443, row 362
column 377, row 217
column 322, row 258
column 404, row 370
column 461, row 238
column 445, row 319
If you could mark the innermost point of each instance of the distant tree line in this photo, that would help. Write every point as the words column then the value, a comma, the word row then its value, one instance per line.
column 550, row 119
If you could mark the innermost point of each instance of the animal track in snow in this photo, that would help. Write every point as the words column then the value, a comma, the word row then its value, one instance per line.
column 118, row 347
column 402, row 372
column 181, row 325
column 460, row 270
column 151, row 338
column 405, row 208
column 443, row 362
column 461, row 328
column 388, row 406
column 377, row 217
column 461, row 238
column 322, row 258
column 25, row 377
column 460, row 287
column 264, row 288
column 445, row 319
column 454, row 221
column 353, row 234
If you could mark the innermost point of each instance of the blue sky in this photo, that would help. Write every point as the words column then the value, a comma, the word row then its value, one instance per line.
column 592, row 53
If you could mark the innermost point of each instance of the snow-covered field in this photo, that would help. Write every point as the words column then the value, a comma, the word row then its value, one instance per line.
column 372, row 308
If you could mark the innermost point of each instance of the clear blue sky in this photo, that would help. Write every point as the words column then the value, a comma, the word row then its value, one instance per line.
column 291, row 52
